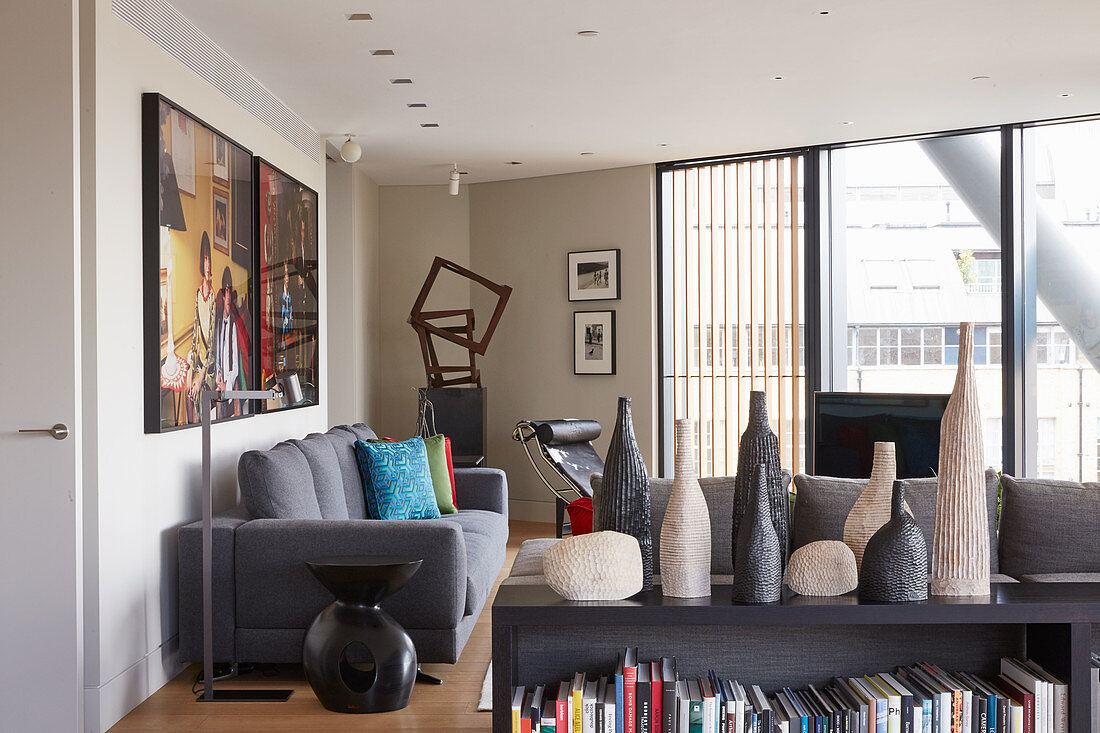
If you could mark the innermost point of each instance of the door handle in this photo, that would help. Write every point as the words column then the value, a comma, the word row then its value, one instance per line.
column 58, row 432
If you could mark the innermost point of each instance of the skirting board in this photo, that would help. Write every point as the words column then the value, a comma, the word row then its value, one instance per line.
column 527, row 510
column 108, row 703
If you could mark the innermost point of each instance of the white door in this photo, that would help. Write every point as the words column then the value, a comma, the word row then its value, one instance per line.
column 40, row 602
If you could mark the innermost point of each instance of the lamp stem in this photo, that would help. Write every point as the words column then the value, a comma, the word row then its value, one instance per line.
column 205, row 398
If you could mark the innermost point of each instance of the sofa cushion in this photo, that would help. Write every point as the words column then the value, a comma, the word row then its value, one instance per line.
column 823, row 503
column 396, row 479
column 478, row 521
column 361, row 431
column 1048, row 526
column 1060, row 578
column 718, row 492
column 529, row 557
column 486, row 536
column 327, row 482
column 278, row 483
column 343, row 443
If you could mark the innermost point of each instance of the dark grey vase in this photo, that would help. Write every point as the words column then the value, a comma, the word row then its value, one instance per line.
column 895, row 563
column 758, row 555
column 622, row 503
column 760, row 446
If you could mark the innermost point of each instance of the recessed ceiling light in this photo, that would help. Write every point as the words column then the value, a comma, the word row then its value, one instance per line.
column 588, row 34
column 847, row 122
column 587, row 153
column 429, row 124
column 416, row 104
column 515, row 162
column 662, row 145
column 1064, row 95
column 382, row 52
column 359, row 16
column 823, row 12
column 401, row 81
column 777, row 78
column 979, row 77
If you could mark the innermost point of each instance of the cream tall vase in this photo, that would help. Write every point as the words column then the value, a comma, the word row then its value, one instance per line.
column 872, row 508
column 685, row 533
column 960, row 545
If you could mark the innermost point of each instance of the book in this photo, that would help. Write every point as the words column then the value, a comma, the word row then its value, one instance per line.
column 857, row 703
column 576, row 695
column 941, row 701
column 628, row 670
column 799, row 713
column 519, row 694
column 719, row 702
column 1027, row 680
column 549, row 721
column 1094, row 677
column 563, row 717
column 881, row 705
column 922, row 695
column 588, row 706
column 795, row 722
column 643, row 695
column 534, row 705
column 1025, row 699
column 683, row 707
column 782, row 719
column 656, row 691
column 733, row 717
column 961, row 721
column 601, row 704
column 668, row 694
column 893, row 702
column 610, row 711
column 1059, row 702
column 710, row 712
column 695, row 707
column 909, row 720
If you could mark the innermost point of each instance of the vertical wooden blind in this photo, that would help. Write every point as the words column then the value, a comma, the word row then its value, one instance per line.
column 735, row 295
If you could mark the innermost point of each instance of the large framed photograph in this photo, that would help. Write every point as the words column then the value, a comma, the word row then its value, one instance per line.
column 286, row 220
column 220, row 169
column 198, row 313
column 594, row 275
column 594, row 342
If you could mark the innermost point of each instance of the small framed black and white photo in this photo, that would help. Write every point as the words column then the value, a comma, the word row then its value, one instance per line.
column 594, row 275
column 594, row 342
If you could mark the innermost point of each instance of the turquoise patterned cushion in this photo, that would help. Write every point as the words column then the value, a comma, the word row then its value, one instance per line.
column 397, row 481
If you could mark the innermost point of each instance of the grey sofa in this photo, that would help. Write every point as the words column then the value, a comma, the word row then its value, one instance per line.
column 303, row 499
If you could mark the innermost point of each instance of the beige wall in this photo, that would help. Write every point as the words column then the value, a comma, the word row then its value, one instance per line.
column 520, row 234
column 353, row 294
column 418, row 223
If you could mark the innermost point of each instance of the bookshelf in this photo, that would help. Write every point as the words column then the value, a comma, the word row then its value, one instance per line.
column 540, row 638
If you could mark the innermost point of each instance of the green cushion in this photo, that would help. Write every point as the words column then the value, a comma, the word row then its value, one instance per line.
column 441, row 478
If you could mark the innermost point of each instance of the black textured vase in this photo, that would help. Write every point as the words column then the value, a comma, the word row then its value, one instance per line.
column 622, row 503
column 760, row 446
column 895, row 563
column 757, row 555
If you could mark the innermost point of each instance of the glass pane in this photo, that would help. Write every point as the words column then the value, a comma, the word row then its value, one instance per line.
column 918, row 261
column 1067, row 342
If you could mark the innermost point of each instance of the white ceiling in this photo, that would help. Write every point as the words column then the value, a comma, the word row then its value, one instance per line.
column 511, row 79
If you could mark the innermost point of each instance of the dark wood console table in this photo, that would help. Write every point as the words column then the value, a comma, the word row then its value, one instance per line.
column 540, row 638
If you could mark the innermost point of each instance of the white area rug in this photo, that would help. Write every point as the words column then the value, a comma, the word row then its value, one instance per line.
column 485, row 702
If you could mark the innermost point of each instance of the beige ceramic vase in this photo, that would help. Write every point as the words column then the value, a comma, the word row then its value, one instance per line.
column 872, row 508
column 685, row 533
column 960, row 544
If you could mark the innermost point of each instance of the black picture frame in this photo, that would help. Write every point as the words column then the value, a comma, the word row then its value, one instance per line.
column 594, row 275
column 594, row 343
column 185, row 221
column 287, row 344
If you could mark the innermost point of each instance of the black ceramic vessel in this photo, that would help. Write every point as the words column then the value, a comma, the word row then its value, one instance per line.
column 622, row 503
column 895, row 563
column 760, row 446
column 758, row 555
column 360, row 584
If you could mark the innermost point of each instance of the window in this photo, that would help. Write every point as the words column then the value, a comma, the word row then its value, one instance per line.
column 915, row 262
column 1047, row 457
column 993, row 438
column 733, row 283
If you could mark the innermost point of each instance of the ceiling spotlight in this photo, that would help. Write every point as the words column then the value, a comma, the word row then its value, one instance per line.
column 417, row 105
column 979, row 77
column 382, row 52
column 360, row 16
column 847, row 123
column 587, row 153
column 515, row 162
column 401, row 81
column 662, row 145
column 429, row 124
column 823, row 12
column 777, row 78
column 351, row 151
column 588, row 34
column 454, row 178
column 1064, row 95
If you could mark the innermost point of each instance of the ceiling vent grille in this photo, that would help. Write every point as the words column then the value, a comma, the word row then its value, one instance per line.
column 168, row 28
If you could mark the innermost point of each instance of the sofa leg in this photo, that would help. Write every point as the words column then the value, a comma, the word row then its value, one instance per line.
column 426, row 678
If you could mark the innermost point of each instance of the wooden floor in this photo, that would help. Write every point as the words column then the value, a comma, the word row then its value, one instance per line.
column 451, row 706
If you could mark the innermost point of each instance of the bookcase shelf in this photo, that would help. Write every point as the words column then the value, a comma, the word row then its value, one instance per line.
column 540, row 638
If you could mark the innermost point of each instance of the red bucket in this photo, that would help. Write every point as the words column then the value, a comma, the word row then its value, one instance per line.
column 580, row 515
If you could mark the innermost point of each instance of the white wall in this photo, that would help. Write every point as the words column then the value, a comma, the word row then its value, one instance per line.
column 145, row 486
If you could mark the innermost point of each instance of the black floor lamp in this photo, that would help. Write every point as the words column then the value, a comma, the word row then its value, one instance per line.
column 290, row 391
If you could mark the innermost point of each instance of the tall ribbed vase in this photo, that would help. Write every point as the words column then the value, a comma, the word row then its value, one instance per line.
column 685, row 532
column 758, row 557
column 760, row 446
column 872, row 508
column 622, row 504
column 960, row 545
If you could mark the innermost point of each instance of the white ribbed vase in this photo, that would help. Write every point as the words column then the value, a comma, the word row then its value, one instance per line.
column 872, row 509
column 685, row 532
column 960, row 545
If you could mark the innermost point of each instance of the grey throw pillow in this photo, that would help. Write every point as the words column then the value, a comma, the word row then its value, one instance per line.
column 1048, row 526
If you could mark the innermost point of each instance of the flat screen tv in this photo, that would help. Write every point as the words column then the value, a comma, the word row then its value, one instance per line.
column 848, row 424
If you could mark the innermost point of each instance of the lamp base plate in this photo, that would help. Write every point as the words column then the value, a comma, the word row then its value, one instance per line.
column 247, row 696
